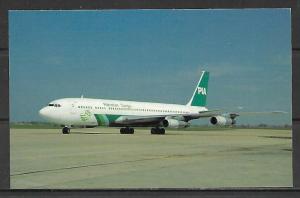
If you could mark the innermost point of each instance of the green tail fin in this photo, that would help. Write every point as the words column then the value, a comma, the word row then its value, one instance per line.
column 200, row 93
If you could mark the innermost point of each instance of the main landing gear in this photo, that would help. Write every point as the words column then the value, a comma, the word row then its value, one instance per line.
column 127, row 130
column 157, row 130
column 66, row 130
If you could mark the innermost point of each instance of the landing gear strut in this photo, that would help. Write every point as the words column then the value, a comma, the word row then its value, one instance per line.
column 127, row 130
column 157, row 130
column 66, row 130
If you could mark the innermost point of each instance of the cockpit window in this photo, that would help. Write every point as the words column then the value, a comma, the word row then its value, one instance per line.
column 54, row 105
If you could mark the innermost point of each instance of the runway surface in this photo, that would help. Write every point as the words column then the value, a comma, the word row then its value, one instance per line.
column 103, row 158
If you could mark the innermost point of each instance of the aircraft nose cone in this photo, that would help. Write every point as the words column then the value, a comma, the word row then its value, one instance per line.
column 48, row 114
column 42, row 112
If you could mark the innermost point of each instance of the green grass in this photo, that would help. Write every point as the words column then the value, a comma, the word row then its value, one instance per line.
column 103, row 158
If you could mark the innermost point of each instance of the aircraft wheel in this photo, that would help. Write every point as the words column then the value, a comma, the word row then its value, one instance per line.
column 131, row 130
column 66, row 130
column 127, row 130
column 160, row 131
column 153, row 131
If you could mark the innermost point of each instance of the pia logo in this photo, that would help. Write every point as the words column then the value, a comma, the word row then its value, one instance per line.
column 86, row 115
column 201, row 90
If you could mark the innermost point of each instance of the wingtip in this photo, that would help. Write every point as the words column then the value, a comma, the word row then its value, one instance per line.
column 279, row 112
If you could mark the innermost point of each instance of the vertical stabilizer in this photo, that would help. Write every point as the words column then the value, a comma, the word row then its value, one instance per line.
column 200, row 93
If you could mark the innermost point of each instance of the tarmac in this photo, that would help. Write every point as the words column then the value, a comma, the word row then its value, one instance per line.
column 102, row 158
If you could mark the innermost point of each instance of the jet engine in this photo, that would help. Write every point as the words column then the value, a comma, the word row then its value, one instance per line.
column 172, row 123
column 221, row 121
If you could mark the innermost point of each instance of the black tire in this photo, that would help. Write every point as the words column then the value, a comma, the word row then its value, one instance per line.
column 127, row 130
column 131, row 130
column 153, row 131
column 162, row 131
column 66, row 130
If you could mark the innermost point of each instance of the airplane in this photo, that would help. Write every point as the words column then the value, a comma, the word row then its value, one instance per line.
column 88, row 112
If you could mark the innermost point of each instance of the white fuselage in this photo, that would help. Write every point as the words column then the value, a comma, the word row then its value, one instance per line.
column 87, row 111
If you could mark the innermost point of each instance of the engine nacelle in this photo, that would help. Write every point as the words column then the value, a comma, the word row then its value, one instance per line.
column 172, row 123
column 221, row 121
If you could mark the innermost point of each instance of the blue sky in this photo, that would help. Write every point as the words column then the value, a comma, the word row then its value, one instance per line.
column 152, row 55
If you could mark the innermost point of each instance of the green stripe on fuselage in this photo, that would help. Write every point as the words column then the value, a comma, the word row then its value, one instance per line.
column 102, row 120
column 112, row 118
column 106, row 119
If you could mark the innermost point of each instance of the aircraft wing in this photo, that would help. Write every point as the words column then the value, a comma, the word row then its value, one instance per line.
column 201, row 114
column 154, row 118
column 209, row 113
column 139, row 119
column 219, row 112
column 157, row 118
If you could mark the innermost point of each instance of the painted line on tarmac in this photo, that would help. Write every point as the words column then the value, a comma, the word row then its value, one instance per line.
column 279, row 137
column 84, row 166
column 137, row 160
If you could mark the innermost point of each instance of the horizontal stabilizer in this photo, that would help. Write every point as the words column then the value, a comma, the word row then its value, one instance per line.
column 233, row 115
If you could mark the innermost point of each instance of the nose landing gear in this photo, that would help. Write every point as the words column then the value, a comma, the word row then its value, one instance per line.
column 66, row 130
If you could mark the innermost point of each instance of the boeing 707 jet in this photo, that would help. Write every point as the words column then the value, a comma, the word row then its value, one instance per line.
column 87, row 112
